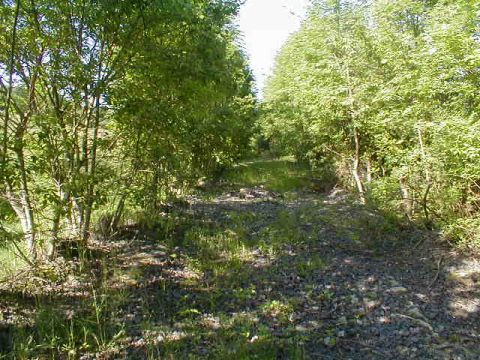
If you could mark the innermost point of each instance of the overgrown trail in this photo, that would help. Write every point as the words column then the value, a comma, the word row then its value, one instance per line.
column 268, row 275
column 248, row 273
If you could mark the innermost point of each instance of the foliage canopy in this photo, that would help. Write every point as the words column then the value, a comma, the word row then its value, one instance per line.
column 387, row 93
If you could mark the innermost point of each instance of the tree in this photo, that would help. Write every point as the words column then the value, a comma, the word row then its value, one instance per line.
column 392, row 88
column 87, row 87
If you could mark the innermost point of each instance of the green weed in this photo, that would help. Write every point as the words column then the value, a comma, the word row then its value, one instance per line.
column 279, row 175
column 306, row 267
column 11, row 261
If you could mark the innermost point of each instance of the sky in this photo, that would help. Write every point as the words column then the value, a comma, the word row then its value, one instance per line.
column 266, row 25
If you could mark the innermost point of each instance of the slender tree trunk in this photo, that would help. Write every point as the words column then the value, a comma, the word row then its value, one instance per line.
column 118, row 213
column 27, row 219
column 58, row 211
column 424, row 155
column 369, row 170
column 356, row 167
column 93, row 166
column 25, row 216
column 20, row 201
column 8, row 101
column 76, row 217
column 406, row 197
column 54, row 238
column 426, row 212
column 356, row 137
column 93, row 160
column 427, row 177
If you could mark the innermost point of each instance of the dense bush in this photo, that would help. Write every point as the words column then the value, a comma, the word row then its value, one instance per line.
column 107, row 105
column 388, row 93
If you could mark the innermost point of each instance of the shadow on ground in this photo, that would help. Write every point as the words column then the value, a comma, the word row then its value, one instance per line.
column 251, row 271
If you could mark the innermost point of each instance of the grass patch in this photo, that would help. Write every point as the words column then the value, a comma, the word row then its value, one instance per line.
column 279, row 175
column 308, row 266
column 285, row 230
column 279, row 310
column 11, row 261
column 224, row 336
column 210, row 245
column 60, row 333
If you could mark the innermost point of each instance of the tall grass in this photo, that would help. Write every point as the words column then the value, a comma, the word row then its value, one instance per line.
column 11, row 262
column 281, row 175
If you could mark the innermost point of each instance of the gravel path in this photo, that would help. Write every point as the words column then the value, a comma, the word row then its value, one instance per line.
column 316, row 277
column 355, row 295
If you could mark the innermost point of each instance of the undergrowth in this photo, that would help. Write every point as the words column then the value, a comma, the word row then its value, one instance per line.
column 219, row 307
column 281, row 175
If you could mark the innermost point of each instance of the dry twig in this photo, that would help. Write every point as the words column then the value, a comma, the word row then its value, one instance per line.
column 439, row 265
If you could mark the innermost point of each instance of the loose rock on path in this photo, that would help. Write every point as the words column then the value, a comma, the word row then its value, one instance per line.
column 351, row 299
column 256, row 274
